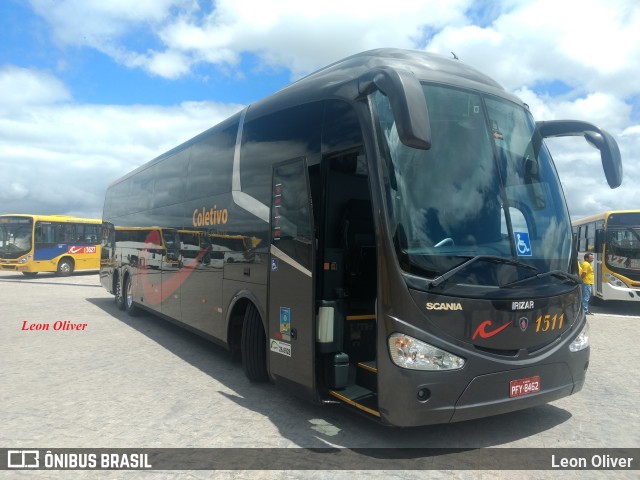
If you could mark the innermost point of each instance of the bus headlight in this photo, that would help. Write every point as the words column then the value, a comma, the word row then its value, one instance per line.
column 582, row 341
column 615, row 281
column 408, row 352
column 24, row 260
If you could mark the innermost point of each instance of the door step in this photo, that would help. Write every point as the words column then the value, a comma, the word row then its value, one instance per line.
column 358, row 397
column 364, row 394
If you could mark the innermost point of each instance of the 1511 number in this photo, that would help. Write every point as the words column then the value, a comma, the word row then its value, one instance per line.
column 546, row 323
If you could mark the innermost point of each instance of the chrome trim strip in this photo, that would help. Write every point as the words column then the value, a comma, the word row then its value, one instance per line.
column 244, row 200
column 276, row 252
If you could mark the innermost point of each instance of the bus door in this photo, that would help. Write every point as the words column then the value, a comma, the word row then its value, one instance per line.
column 347, row 281
column 292, row 324
column 598, row 262
column 107, row 255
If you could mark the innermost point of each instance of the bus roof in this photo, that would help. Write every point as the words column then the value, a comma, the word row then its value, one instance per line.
column 600, row 216
column 53, row 218
column 426, row 66
column 342, row 80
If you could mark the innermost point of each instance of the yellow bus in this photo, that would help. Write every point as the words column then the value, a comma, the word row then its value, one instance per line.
column 49, row 243
column 614, row 239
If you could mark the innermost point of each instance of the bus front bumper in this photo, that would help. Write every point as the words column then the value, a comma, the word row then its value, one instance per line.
column 12, row 267
column 460, row 396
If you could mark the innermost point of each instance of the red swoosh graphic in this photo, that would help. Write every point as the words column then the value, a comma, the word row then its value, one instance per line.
column 482, row 330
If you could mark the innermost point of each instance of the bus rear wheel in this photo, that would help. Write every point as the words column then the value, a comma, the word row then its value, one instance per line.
column 132, row 309
column 254, row 346
column 119, row 294
column 65, row 267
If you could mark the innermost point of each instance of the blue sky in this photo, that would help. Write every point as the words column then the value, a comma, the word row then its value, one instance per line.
column 91, row 89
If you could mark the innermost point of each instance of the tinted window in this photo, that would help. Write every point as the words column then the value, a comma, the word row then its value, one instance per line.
column 170, row 186
column 341, row 127
column 290, row 133
column 117, row 200
column 141, row 190
column 291, row 215
column 212, row 164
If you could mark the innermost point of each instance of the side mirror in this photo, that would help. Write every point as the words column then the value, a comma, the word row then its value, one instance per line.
column 407, row 102
column 596, row 137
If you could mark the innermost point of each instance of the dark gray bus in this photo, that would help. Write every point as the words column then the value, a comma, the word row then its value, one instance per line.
column 389, row 232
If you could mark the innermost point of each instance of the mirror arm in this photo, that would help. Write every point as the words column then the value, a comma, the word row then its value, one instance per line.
column 596, row 137
column 407, row 102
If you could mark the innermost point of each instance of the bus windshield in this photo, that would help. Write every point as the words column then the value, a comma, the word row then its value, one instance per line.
column 623, row 249
column 15, row 236
column 486, row 187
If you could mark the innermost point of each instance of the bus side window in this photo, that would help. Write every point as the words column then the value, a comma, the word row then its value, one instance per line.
column 293, row 232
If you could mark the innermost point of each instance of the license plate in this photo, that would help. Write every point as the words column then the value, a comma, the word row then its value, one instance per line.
column 524, row 386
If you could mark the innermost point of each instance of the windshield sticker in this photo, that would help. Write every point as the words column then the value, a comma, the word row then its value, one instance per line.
column 496, row 131
column 523, row 245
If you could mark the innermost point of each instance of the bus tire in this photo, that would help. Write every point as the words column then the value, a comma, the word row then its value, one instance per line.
column 131, row 308
column 119, row 293
column 65, row 267
column 29, row 274
column 253, row 345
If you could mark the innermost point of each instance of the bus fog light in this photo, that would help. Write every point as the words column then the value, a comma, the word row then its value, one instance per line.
column 408, row 352
column 24, row 260
column 582, row 341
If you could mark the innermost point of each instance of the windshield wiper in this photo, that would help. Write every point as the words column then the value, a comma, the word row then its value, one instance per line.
column 488, row 258
column 555, row 273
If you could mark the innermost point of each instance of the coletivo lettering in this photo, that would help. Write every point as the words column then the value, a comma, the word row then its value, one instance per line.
column 444, row 306
column 213, row 216
column 527, row 305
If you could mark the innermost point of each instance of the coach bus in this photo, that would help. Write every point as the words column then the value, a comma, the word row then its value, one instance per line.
column 49, row 243
column 413, row 258
column 614, row 239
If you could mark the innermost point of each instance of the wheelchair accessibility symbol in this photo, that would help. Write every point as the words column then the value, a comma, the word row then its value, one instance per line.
column 523, row 245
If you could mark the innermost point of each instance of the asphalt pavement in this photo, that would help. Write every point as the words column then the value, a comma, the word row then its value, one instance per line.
column 79, row 373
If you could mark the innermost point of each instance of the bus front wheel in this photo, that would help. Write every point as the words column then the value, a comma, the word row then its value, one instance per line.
column 254, row 346
column 65, row 267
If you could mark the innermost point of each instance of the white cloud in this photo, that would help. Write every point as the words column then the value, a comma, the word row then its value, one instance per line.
column 587, row 44
column 566, row 59
column 97, row 23
column 61, row 157
column 296, row 35
column 22, row 88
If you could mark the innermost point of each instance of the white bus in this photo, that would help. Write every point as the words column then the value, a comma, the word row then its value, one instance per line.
column 614, row 239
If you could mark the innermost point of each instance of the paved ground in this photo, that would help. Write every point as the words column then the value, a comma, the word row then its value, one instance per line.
column 134, row 383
